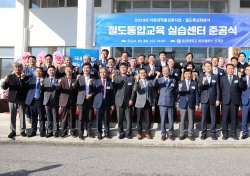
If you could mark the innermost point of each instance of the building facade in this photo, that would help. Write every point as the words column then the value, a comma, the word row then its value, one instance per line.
column 50, row 25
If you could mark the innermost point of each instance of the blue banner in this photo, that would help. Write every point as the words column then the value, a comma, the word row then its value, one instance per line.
column 173, row 30
column 77, row 55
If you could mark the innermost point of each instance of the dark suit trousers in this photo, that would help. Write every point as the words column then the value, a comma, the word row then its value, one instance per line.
column 141, row 112
column 205, row 108
column 68, row 113
column 128, row 114
column 52, row 118
column 85, row 113
column 37, row 110
column 231, row 111
column 102, row 114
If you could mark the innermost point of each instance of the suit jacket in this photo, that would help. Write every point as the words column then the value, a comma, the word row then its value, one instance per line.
column 45, row 73
column 245, row 92
column 133, row 72
column 175, row 74
column 188, row 98
column 242, row 65
column 31, row 83
column 51, row 92
column 209, row 92
column 17, row 90
column 167, row 91
column 98, row 94
column 221, row 72
column 99, row 62
column 118, row 64
column 80, row 85
column 151, row 77
column 67, row 94
column 93, row 73
column 123, row 89
column 158, row 63
column 61, row 72
column 138, row 66
column 29, row 71
column 231, row 93
column 141, row 93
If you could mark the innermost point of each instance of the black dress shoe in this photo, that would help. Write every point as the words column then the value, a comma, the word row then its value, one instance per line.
column 129, row 137
column 56, row 135
column 32, row 135
column 235, row 138
column 63, row 135
column 224, row 137
column 99, row 136
column 121, row 136
column 23, row 134
column 49, row 135
column 214, row 138
column 12, row 134
column 163, row 138
column 81, row 137
column 244, row 136
column 42, row 134
column 191, row 138
column 181, row 137
column 203, row 137
column 107, row 136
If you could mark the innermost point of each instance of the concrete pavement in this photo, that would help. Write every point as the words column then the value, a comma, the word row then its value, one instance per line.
column 156, row 141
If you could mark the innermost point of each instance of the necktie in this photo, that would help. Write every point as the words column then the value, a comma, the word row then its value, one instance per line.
column 103, row 88
column 69, row 82
column 37, row 92
column 51, row 82
column 230, row 80
column 215, row 72
column 166, row 82
column 171, row 71
column 187, row 84
column 146, row 88
column 110, row 71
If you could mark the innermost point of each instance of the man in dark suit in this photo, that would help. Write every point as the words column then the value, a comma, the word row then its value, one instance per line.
column 210, row 99
column 111, row 67
column 167, row 87
column 162, row 62
column 93, row 71
column 102, row 62
column 242, row 64
column 188, row 103
column 68, row 63
column 231, row 86
column 245, row 102
column 103, row 102
column 141, row 61
column 67, row 102
column 123, row 86
column 217, row 72
column 234, row 62
column 34, row 99
column 132, row 70
column 124, row 59
column 151, row 68
column 17, row 94
column 50, row 101
column 145, row 99
column 84, row 85
column 48, row 63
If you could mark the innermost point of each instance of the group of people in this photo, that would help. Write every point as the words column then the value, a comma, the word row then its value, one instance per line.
column 127, row 86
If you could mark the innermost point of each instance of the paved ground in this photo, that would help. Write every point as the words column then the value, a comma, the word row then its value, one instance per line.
column 156, row 141
column 128, row 161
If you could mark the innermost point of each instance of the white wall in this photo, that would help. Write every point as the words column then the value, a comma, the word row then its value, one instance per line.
column 53, row 27
column 8, row 27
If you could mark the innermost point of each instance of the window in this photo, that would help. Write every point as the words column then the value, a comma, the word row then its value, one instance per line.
column 160, row 7
column 180, row 7
column 141, row 50
column 6, row 66
column 7, row 3
column 141, row 6
column 200, row 54
column 72, row 3
column 199, row 7
column 245, row 3
column 97, row 3
column 123, row 7
column 35, row 3
column 53, row 3
column 218, row 52
column 218, row 7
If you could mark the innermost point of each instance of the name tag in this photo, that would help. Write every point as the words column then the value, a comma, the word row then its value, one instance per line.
column 130, row 83
column 193, row 87
column 221, row 74
column 107, row 87
column 236, row 81
column 72, row 84
column 176, row 74
column 213, row 81
column 91, row 73
column 172, row 84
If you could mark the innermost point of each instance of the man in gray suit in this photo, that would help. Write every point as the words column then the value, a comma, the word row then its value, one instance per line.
column 16, row 98
column 145, row 99
column 51, row 101
column 123, row 86
column 167, row 87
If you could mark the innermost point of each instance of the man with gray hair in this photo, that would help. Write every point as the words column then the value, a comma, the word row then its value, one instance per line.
column 17, row 94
